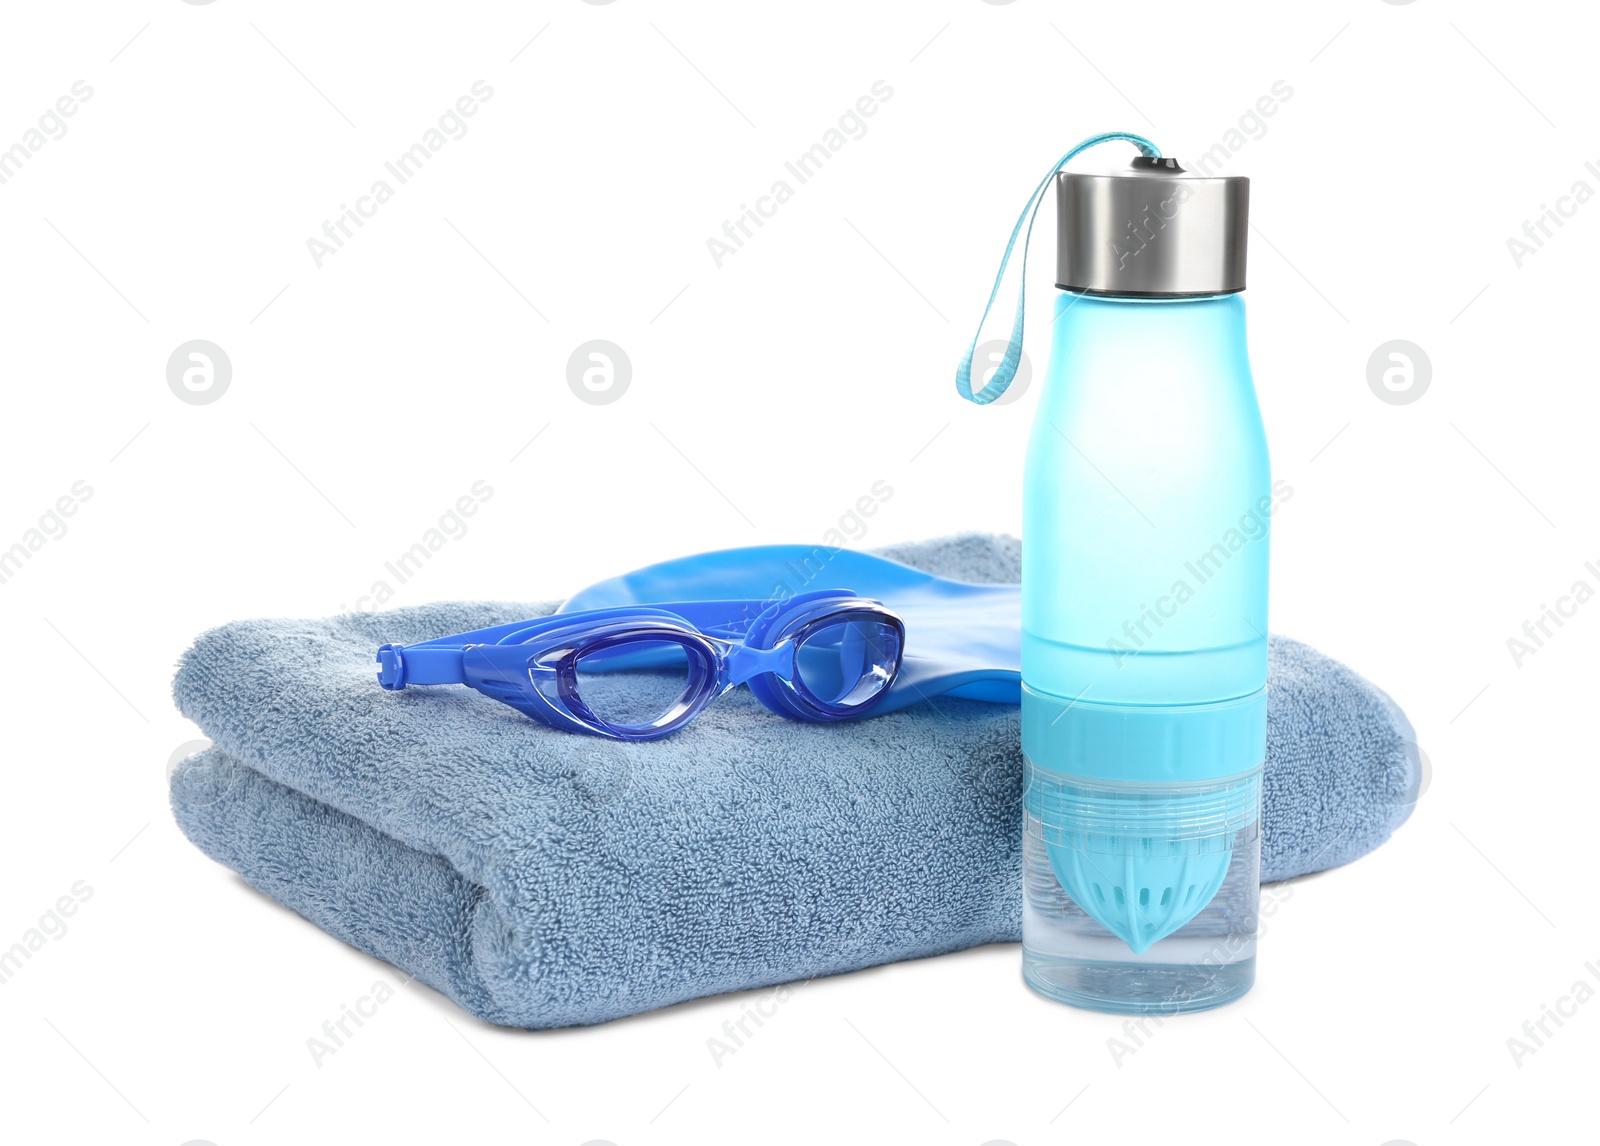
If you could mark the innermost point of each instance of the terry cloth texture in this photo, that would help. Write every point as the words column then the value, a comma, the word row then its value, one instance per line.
column 545, row 879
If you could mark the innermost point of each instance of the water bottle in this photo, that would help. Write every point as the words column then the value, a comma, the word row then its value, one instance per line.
column 1146, row 512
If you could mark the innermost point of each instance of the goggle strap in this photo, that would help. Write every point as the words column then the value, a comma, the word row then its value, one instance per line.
column 402, row 665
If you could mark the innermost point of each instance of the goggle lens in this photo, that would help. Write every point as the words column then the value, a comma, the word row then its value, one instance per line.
column 636, row 685
column 848, row 663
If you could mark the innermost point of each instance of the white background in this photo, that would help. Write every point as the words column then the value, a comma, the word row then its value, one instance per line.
column 767, row 395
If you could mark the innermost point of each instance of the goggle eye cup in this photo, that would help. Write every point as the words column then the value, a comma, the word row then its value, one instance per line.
column 640, row 685
column 845, row 663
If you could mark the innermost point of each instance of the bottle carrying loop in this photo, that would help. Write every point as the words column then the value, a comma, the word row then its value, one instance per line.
column 996, row 386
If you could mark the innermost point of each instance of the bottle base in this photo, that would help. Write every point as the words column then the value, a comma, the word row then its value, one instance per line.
column 1137, row 988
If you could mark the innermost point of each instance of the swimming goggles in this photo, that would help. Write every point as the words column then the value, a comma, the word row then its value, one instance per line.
column 639, row 672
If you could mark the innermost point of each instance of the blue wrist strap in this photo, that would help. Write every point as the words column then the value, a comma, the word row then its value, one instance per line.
column 1007, row 369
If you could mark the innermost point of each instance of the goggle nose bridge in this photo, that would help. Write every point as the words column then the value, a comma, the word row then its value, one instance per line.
column 746, row 661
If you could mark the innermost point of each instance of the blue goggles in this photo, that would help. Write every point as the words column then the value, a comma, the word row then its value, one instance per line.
column 640, row 672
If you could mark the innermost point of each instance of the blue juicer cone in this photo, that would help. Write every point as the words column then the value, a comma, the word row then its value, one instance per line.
column 1141, row 859
column 1144, row 895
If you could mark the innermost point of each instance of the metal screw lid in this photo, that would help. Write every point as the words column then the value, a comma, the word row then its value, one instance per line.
column 1151, row 229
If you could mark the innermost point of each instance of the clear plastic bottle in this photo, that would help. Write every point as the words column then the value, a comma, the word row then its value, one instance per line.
column 1147, row 504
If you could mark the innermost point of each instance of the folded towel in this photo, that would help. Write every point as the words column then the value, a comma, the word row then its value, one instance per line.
column 544, row 879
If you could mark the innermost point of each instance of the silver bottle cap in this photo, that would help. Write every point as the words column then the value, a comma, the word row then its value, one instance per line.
column 1151, row 229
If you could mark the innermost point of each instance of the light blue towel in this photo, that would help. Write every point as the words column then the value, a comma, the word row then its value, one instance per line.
column 544, row 879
